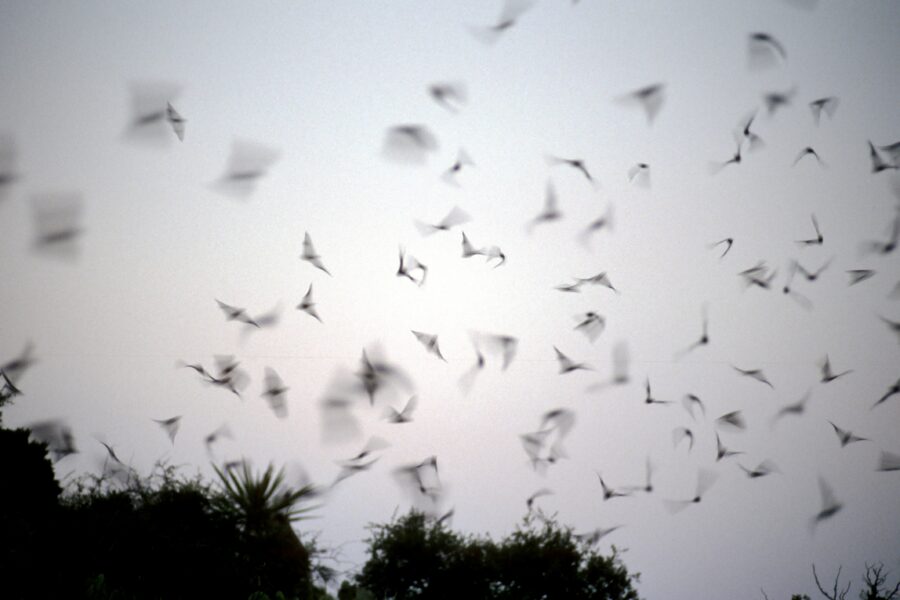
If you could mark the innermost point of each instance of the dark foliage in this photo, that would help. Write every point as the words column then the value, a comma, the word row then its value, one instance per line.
column 415, row 557
column 161, row 536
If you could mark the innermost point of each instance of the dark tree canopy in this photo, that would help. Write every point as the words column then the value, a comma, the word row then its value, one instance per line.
column 416, row 557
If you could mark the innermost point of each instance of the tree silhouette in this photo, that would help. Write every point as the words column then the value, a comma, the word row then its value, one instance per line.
column 418, row 557
column 875, row 589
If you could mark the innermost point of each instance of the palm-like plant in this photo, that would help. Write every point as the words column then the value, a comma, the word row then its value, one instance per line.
column 261, row 501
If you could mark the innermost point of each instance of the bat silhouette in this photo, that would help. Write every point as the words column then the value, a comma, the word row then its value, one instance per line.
column 405, row 415
column 830, row 505
column 756, row 374
column 529, row 502
column 808, row 151
column 715, row 167
column 509, row 15
column 591, row 325
column 680, row 433
column 727, row 241
column 551, row 210
column 885, row 248
column 776, row 100
column 689, row 401
column 705, row 479
column 57, row 435
column 764, row 50
column 409, row 144
column 888, row 461
column 275, row 393
column 766, row 467
column 410, row 265
column 796, row 408
column 8, row 156
column 455, row 217
column 593, row 537
column 649, row 399
column 462, row 160
column 567, row 365
column 816, row 241
column 827, row 374
column 575, row 163
column 234, row 313
column 703, row 340
column 639, row 174
column 722, row 451
column 878, row 163
column 170, row 426
column 311, row 256
column 176, row 121
column 846, row 436
column 599, row 279
column 430, row 341
column 859, row 275
column 608, row 492
column 754, row 142
column 827, row 105
column 732, row 420
column 892, row 391
column 650, row 98
column 308, row 306
column 247, row 164
column 604, row 221
column 449, row 95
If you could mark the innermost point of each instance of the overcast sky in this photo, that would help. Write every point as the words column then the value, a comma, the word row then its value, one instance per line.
column 319, row 84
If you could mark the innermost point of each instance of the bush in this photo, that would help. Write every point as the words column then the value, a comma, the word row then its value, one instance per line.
column 415, row 557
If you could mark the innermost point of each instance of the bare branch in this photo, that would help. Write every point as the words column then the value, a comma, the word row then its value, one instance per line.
column 835, row 594
column 875, row 578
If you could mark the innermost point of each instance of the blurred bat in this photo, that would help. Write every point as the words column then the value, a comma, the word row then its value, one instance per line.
column 776, row 100
column 830, row 504
column 170, row 426
column 639, row 175
column 57, row 225
column 311, row 256
column 247, row 163
column 591, row 325
column 766, row 467
column 405, row 415
column 816, row 241
column 409, row 265
column 827, row 374
column 450, row 95
column 689, row 401
column 763, row 50
column 308, row 306
column 509, row 15
column 705, row 479
column 57, row 435
column 430, row 341
column 462, row 160
column 567, row 365
column 846, row 436
column 808, row 151
column 827, row 105
column 409, row 144
column 455, row 217
column 275, row 393
column 551, row 210
column 756, row 374
column 650, row 99
column 575, row 163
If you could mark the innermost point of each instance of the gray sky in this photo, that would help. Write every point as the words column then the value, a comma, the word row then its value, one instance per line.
column 321, row 82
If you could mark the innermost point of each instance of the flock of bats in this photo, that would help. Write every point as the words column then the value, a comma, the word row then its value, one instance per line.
column 58, row 227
